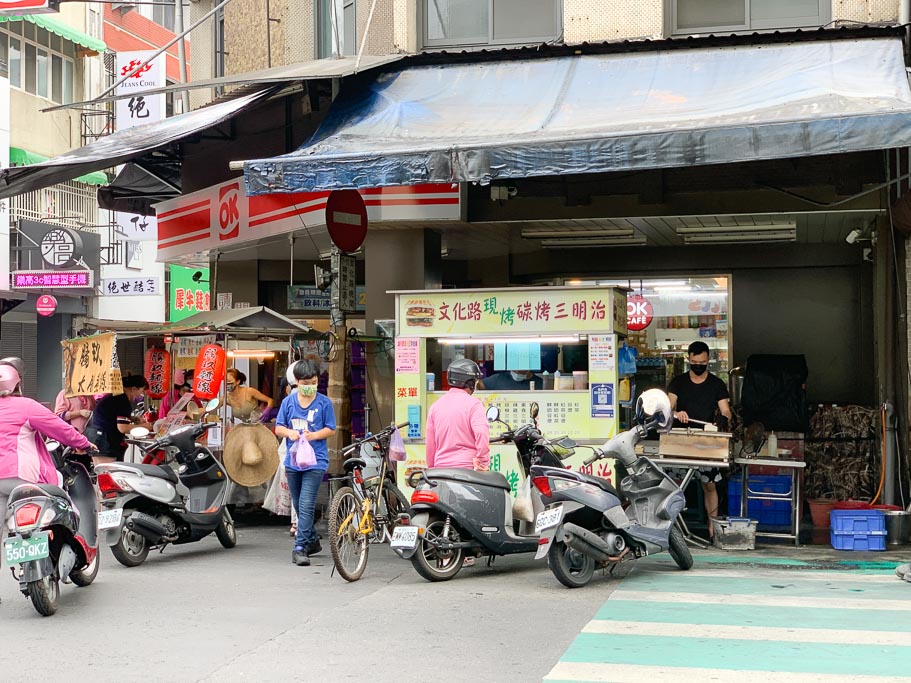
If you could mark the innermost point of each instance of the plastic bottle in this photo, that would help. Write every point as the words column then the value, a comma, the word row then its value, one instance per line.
column 773, row 445
column 557, row 379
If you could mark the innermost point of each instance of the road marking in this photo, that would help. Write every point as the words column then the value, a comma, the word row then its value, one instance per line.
column 897, row 604
column 765, row 574
column 620, row 673
column 729, row 632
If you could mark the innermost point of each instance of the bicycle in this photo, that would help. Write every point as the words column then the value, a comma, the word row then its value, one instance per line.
column 364, row 511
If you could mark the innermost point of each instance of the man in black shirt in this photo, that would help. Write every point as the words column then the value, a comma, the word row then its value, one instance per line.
column 700, row 395
column 112, row 419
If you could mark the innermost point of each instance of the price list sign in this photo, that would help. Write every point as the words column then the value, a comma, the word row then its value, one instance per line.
column 91, row 366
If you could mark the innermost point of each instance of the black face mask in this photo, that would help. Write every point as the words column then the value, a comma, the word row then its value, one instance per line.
column 699, row 370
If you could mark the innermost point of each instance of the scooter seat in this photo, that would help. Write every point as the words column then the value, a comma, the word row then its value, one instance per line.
column 32, row 490
column 159, row 471
column 603, row 484
column 469, row 477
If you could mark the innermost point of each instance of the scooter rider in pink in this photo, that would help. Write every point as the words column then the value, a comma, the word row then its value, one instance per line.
column 23, row 425
column 457, row 431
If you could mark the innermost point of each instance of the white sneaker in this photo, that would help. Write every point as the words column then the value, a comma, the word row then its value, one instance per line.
column 903, row 571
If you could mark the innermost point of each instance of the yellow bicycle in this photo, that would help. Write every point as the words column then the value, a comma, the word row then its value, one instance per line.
column 364, row 511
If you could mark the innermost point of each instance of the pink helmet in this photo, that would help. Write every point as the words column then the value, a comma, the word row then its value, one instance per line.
column 9, row 378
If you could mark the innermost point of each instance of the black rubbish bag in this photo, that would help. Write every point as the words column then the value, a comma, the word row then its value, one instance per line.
column 775, row 392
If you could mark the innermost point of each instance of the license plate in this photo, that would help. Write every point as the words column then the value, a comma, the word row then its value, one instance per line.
column 18, row 550
column 549, row 518
column 108, row 519
column 405, row 537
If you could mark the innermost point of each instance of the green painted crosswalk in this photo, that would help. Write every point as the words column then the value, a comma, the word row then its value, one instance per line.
column 756, row 623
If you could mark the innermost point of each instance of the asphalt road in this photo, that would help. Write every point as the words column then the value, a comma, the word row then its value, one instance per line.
column 202, row 613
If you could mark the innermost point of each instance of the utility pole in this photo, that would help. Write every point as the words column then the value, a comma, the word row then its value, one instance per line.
column 181, row 52
column 338, row 381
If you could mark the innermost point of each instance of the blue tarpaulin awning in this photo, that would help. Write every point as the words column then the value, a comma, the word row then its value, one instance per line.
column 601, row 113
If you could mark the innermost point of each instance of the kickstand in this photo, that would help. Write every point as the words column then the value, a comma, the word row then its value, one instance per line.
column 490, row 560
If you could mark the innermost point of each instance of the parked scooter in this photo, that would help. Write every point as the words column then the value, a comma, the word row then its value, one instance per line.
column 458, row 513
column 53, row 532
column 151, row 506
column 586, row 524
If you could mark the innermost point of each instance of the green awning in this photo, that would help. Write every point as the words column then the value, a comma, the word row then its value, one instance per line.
column 22, row 157
column 56, row 26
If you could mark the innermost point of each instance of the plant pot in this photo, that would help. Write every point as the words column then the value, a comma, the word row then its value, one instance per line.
column 819, row 511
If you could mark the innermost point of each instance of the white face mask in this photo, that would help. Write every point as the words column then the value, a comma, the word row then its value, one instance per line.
column 519, row 376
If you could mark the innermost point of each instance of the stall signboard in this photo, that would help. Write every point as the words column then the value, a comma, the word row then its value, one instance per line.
column 53, row 279
column 510, row 312
column 90, row 366
column 188, row 296
column 314, row 299
column 407, row 355
column 602, row 353
column 188, row 349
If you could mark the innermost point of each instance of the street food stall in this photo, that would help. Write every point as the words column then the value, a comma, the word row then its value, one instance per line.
column 560, row 341
column 210, row 343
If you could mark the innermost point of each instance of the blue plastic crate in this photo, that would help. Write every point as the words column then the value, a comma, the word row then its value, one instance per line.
column 842, row 540
column 857, row 521
column 766, row 512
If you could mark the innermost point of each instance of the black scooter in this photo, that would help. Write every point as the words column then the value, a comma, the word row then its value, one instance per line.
column 588, row 524
column 53, row 532
column 458, row 513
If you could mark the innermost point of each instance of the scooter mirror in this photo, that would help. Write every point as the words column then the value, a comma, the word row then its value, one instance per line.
column 534, row 410
column 139, row 432
column 493, row 414
column 212, row 405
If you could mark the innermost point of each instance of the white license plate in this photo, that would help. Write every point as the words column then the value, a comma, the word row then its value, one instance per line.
column 18, row 550
column 549, row 518
column 108, row 519
column 405, row 537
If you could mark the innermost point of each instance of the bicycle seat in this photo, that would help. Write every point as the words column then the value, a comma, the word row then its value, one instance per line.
column 352, row 463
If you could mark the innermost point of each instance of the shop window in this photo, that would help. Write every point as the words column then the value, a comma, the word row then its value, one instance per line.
column 44, row 65
column 448, row 23
column 708, row 16
column 4, row 56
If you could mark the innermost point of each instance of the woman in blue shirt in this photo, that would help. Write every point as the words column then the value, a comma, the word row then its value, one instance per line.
column 305, row 414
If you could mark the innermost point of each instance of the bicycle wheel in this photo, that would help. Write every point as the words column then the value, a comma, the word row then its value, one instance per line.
column 394, row 503
column 348, row 545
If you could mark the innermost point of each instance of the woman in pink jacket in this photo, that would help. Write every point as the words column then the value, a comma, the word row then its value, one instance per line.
column 23, row 425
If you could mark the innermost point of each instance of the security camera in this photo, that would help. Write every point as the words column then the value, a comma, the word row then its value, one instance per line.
column 322, row 278
column 853, row 236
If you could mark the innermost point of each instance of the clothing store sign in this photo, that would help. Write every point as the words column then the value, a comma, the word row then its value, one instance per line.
column 139, row 109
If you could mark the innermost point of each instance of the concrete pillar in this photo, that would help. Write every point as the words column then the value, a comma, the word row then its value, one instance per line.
column 51, row 331
column 394, row 260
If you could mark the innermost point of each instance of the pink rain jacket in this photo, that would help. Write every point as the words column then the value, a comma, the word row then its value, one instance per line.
column 457, row 432
column 23, row 424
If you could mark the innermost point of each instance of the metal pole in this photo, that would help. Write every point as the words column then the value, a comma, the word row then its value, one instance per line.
column 163, row 49
column 268, row 35
column 360, row 53
column 181, row 53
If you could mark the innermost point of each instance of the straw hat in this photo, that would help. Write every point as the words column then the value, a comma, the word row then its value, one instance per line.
column 250, row 454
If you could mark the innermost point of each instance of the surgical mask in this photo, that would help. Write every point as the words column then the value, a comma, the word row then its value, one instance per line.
column 519, row 376
column 231, row 387
column 699, row 369
column 307, row 389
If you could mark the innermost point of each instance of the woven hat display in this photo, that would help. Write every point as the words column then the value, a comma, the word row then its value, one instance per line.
column 250, row 454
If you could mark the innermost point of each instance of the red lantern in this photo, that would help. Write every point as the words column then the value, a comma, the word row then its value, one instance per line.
column 158, row 372
column 209, row 372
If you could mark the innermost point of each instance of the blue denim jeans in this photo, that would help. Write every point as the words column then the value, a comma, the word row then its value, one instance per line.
column 304, row 486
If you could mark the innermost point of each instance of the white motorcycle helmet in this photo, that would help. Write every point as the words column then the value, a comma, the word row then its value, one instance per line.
column 289, row 375
column 655, row 404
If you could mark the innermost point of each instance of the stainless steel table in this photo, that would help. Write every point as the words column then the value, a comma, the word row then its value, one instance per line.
column 792, row 496
column 691, row 466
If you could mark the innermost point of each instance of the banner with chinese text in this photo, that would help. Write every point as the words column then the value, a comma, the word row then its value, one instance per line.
column 519, row 311
column 188, row 296
column 90, row 366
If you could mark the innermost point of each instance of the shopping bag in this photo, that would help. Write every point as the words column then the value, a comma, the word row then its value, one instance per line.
column 523, row 508
column 626, row 360
column 302, row 454
column 278, row 497
column 397, row 447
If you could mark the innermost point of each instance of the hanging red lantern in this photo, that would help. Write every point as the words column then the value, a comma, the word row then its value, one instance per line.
column 158, row 372
column 209, row 372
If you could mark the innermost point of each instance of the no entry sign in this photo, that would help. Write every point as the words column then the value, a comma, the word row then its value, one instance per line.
column 639, row 313
column 46, row 305
column 346, row 220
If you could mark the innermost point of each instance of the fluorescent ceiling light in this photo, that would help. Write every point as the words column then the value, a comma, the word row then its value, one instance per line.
column 674, row 288
column 544, row 234
column 735, row 229
column 731, row 238
column 584, row 243
column 455, row 341
column 262, row 353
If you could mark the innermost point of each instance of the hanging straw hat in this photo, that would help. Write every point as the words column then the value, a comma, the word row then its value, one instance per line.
column 250, row 454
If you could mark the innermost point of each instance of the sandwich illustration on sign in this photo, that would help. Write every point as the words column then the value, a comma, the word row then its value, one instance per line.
column 419, row 313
